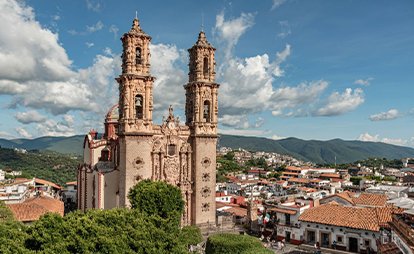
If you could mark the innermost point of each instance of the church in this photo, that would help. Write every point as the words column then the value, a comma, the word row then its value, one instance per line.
column 133, row 148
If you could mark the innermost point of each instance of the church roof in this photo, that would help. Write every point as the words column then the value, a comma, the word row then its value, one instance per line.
column 136, row 30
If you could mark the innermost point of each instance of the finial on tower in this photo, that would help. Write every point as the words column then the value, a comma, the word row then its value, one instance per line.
column 136, row 14
column 202, row 22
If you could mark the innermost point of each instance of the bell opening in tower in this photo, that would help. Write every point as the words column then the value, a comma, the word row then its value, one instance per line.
column 206, row 111
column 138, row 59
column 138, row 107
column 205, row 67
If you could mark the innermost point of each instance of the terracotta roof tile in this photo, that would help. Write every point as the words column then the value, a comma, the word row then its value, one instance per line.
column 370, row 199
column 45, row 182
column 298, row 180
column 365, row 218
column 330, row 175
column 33, row 208
column 72, row 183
column 281, row 210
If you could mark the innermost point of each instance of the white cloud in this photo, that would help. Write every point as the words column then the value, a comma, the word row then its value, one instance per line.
column 260, row 133
column 168, row 87
column 114, row 29
column 23, row 132
column 6, row 135
column 93, row 5
column 276, row 137
column 229, row 31
column 89, row 44
column 64, row 127
column 96, row 27
column 363, row 82
column 389, row 115
column 277, row 3
column 341, row 103
column 31, row 116
column 392, row 141
column 285, row 29
column 36, row 70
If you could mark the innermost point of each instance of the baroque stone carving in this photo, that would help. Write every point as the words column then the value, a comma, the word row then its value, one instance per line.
column 138, row 163
column 171, row 170
column 205, row 207
column 206, row 162
column 205, row 177
column 205, row 192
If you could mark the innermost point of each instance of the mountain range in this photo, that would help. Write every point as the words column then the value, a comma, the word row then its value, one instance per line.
column 321, row 152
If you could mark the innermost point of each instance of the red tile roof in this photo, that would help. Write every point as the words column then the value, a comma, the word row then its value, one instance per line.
column 365, row 218
column 45, row 182
column 330, row 175
column 281, row 210
column 298, row 180
column 72, row 183
column 370, row 199
column 33, row 208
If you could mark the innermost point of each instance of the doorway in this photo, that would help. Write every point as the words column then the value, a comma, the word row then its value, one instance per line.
column 287, row 234
column 353, row 244
column 311, row 237
column 325, row 240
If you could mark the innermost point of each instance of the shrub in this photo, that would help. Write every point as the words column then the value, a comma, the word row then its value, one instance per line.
column 235, row 244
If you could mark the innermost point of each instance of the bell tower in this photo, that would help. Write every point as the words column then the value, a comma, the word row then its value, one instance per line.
column 135, row 129
column 201, row 112
column 135, row 82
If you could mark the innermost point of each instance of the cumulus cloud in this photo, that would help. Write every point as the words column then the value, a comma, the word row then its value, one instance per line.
column 31, row 116
column 36, row 70
column 341, row 103
column 229, row 31
column 376, row 138
column 168, row 87
column 277, row 3
column 242, row 132
column 363, row 82
column 389, row 115
column 89, row 44
column 23, row 132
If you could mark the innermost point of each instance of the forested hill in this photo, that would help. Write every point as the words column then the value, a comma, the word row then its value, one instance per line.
column 319, row 151
column 308, row 150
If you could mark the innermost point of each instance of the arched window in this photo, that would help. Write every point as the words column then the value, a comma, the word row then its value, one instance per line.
column 205, row 67
column 206, row 111
column 139, row 107
column 138, row 59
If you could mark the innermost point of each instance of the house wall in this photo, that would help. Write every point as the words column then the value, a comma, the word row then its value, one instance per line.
column 334, row 232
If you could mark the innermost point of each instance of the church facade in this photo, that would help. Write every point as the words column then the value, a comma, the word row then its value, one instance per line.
column 133, row 148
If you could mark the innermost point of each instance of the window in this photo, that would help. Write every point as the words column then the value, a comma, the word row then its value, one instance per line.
column 339, row 239
column 138, row 106
column 206, row 111
column 287, row 219
column 171, row 150
column 205, row 67
column 138, row 59
column 367, row 242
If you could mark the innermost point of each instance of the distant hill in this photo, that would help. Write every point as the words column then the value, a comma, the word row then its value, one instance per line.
column 308, row 150
column 66, row 145
column 319, row 151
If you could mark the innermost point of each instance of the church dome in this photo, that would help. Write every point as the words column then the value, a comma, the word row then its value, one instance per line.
column 113, row 114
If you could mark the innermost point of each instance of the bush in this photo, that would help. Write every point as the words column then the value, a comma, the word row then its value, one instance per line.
column 191, row 235
column 235, row 244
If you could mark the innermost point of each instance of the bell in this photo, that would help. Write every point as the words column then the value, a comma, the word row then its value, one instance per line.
column 138, row 102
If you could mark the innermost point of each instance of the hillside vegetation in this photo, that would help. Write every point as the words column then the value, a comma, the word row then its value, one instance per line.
column 51, row 166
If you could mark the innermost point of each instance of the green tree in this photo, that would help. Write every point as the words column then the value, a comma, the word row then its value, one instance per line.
column 157, row 198
column 235, row 244
column 5, row 213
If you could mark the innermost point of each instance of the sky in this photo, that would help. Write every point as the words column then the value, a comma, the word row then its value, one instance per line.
column 317, row 69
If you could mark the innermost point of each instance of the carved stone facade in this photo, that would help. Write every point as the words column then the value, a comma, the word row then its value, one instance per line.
column 182, row 155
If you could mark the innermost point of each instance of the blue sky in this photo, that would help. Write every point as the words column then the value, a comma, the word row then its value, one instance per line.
column 287, row 68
